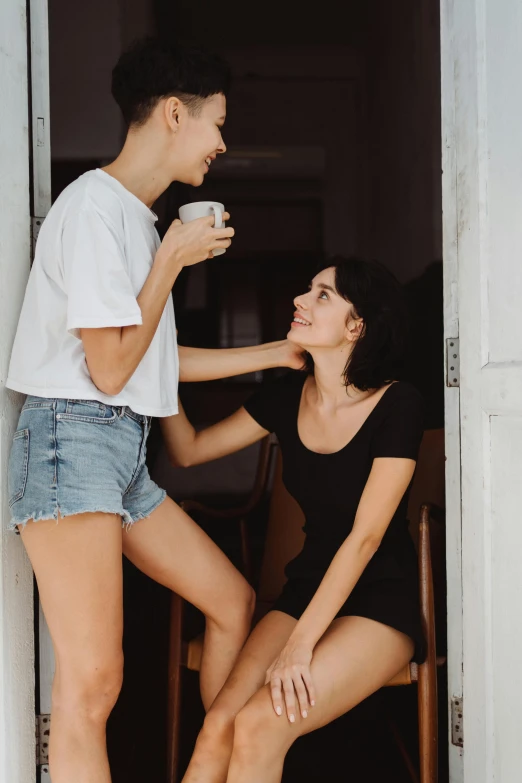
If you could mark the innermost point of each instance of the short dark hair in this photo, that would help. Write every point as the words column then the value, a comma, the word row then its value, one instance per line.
column 377, row 298
column 152, row 69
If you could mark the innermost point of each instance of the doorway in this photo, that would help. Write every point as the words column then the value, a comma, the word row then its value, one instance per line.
column 334, row 147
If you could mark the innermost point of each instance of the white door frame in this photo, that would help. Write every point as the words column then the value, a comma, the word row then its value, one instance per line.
column 461, row 149
column 41, row 204
column 17, row 728
column 40, row 107
column 452, row 392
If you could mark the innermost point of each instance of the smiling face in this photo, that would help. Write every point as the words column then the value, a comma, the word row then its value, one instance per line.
column 197, row 136
column 323, row 318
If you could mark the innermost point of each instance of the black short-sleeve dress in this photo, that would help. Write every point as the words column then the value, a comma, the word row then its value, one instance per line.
column 328, row 487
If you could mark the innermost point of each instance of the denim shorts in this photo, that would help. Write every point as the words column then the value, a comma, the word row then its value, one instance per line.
column 76, row 456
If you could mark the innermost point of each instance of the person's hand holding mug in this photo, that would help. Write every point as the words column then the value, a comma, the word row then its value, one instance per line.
column 204, row 209
column 199, row 234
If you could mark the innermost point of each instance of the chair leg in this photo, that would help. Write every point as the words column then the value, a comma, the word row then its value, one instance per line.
column 428, row 721
column 174, row 686
column 412, row 772
column 427, row 671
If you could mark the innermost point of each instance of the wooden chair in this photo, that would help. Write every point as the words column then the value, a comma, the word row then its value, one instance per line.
column 284, row 540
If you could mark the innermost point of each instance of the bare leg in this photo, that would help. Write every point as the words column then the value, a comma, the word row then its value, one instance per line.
column 169, row 547
column 77, row 563
column 209, row 763
column 356, row 657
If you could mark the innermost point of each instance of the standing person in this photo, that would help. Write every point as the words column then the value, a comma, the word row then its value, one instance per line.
column 348, row 618
column 96, row 353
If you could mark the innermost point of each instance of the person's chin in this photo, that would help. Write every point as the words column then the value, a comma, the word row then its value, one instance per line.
column 293, row 336
column 195, row 180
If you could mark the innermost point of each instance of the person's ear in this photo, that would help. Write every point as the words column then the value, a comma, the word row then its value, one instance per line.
column 354, row 329
column 173, row 111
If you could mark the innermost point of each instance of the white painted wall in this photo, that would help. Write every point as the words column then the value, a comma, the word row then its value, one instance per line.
column 482, row 116
column 17, row 753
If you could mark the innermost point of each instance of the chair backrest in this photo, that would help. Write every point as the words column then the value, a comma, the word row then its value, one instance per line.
column 429, row 483
column 285, row 537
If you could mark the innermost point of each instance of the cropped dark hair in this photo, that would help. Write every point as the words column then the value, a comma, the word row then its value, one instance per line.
column 377, row 298
column 152, row 69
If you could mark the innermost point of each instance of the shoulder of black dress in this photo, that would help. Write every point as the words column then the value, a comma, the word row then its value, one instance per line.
column 403, row 390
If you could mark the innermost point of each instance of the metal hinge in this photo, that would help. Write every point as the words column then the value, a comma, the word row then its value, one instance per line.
column 452, row 362
column 43, row 729
column 36, row 224
column 457, row 737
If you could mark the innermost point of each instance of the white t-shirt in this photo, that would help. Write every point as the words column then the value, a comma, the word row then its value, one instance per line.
column 94, row 252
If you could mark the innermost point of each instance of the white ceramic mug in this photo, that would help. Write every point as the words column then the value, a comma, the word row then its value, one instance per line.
column 199, row 209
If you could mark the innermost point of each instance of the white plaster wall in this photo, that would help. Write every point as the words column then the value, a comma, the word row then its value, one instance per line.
column 17, row 751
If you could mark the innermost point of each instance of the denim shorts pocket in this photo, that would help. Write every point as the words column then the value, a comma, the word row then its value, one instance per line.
column 88, row 412
column 18, row 462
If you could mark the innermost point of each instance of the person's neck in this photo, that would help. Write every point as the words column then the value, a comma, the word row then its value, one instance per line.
column 140, row 167
column 329, row 377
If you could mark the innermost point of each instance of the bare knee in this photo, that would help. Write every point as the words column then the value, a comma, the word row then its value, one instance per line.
column 218, row 725
column 258, row 731
column 89, row 691
column 234, row 614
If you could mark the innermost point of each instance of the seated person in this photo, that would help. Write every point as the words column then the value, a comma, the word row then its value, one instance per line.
column 348, row 618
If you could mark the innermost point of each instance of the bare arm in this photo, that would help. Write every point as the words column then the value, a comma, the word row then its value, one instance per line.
column 290, row 672
column 113, row 353
column 208, row 364
column 187, row 447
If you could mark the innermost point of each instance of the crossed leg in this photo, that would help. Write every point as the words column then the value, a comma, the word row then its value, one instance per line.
column 355, row 657
column 209, row 763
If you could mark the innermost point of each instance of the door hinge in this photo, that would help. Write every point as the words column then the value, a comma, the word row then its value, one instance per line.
column 43, row 729
column 457, row 715
column 452, row 362
column 36, row 224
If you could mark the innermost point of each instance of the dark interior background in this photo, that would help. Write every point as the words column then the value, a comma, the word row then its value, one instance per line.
column 333, row 133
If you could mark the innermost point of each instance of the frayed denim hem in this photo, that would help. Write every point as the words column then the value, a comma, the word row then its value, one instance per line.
column 60, row 513
column 146, row 514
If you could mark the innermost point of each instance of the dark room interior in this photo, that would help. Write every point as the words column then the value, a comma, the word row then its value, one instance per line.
column 333, row 136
